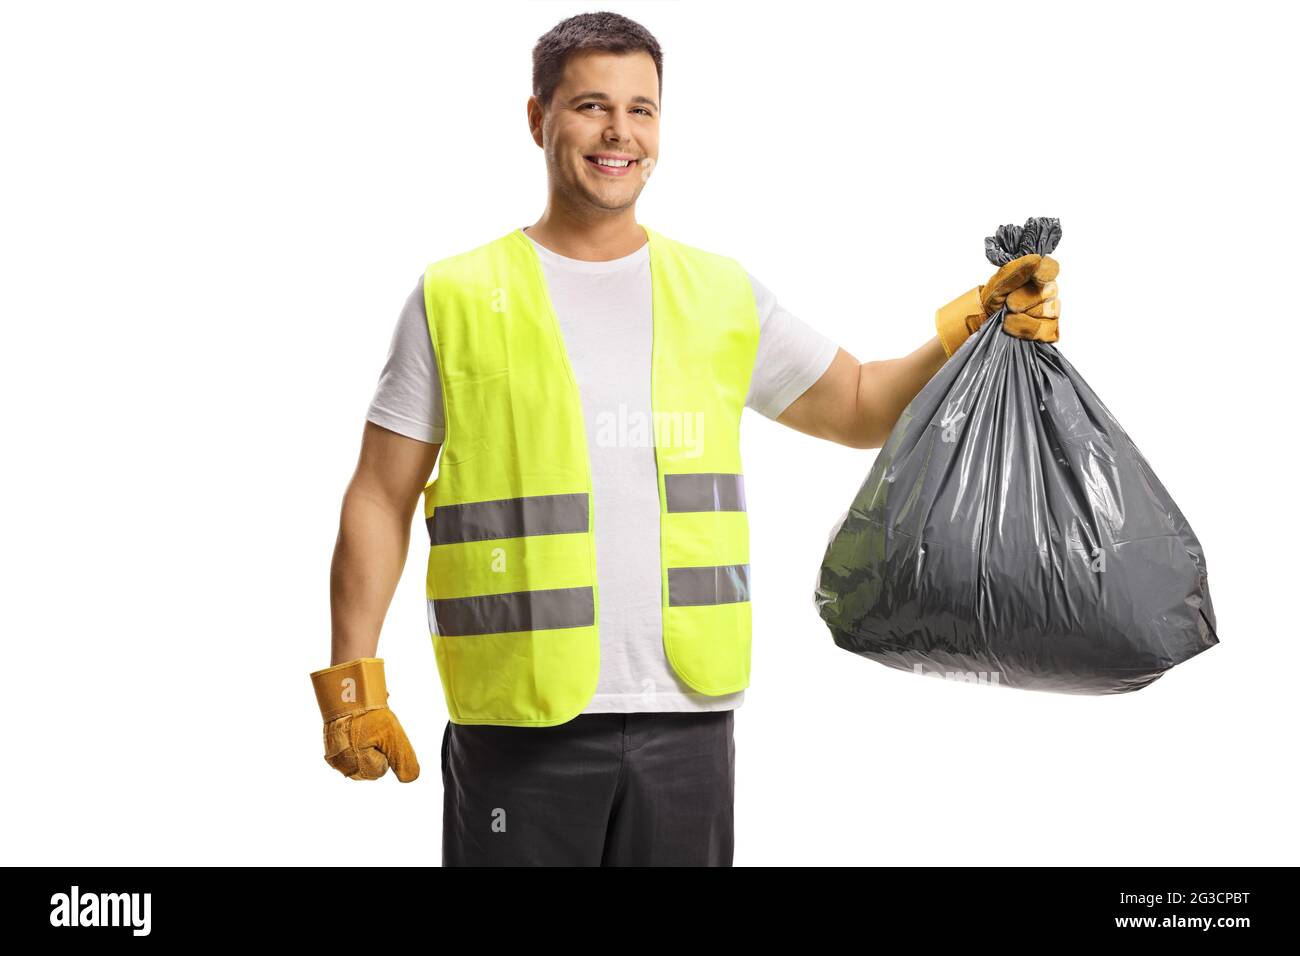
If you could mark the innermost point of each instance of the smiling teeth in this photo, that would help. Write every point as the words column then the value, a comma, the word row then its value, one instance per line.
column 610, row 162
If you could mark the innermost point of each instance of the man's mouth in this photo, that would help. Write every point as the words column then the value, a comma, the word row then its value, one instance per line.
column 608, row 165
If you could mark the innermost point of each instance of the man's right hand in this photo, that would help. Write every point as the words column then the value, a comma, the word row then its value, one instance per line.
column 362, row 736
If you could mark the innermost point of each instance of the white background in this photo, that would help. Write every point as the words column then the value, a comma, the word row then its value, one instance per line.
column 212, row 214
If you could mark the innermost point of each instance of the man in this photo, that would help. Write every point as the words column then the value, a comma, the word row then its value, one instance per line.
column 588, row 574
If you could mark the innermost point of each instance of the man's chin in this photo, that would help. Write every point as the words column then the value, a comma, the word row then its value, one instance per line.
column 606, row 201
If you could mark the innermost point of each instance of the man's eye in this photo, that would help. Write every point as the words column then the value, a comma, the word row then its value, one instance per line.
column 639, row 109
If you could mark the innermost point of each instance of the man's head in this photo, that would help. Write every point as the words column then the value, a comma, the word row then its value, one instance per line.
column 597, row 82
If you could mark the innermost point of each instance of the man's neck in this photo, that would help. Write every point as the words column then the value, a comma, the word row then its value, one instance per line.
column 593, row 241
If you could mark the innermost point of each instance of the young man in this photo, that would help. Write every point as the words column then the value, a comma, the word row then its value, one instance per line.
column 588, row 577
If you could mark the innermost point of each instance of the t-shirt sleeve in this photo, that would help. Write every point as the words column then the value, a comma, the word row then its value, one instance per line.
column 792, row 355
column 408, row 399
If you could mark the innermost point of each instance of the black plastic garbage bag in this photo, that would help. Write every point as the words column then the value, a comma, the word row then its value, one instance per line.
column 1011, row 532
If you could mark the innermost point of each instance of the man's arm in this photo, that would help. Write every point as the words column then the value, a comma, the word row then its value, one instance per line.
column 857, row 404
column 374, row 535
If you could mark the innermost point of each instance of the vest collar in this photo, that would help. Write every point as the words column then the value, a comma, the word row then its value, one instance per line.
column 652, row 238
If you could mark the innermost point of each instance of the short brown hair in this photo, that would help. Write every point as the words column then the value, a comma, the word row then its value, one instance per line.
column 611, row 32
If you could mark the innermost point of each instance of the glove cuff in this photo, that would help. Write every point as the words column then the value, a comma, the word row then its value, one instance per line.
column 958, row 319
column 351, row 687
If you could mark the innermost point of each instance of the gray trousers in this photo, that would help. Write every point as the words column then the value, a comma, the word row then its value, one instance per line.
column 643, row 789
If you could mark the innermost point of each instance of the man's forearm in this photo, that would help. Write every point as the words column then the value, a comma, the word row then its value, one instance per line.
column 368, row 559
column 885, row 387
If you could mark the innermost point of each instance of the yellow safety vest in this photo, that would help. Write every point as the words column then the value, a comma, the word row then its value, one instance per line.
column 513, row 602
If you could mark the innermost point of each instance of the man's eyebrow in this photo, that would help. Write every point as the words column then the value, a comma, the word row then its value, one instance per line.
column 597, row 95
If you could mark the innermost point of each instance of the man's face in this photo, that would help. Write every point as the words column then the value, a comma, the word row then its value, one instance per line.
column 607, row 106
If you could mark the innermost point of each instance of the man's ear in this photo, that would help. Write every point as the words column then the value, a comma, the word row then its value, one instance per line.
column 536, row 119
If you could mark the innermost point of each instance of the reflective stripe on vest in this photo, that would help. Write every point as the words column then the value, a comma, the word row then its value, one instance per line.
column 516, row 611
column 508, row 518
column 709, row 492
column 513, row 602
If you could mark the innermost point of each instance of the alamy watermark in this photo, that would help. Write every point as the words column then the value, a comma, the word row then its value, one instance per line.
column 102, row 909
column 964, row 677
column 625, row 428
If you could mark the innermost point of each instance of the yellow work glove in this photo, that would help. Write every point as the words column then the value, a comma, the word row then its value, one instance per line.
column 362, row 736
column 1026, row 286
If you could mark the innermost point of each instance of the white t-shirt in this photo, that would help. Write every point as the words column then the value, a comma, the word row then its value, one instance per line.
column 605, row 313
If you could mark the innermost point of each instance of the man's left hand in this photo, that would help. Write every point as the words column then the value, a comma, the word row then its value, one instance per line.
column 1026, row 286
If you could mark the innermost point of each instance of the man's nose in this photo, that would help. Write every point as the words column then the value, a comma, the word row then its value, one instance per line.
column 619, row 127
